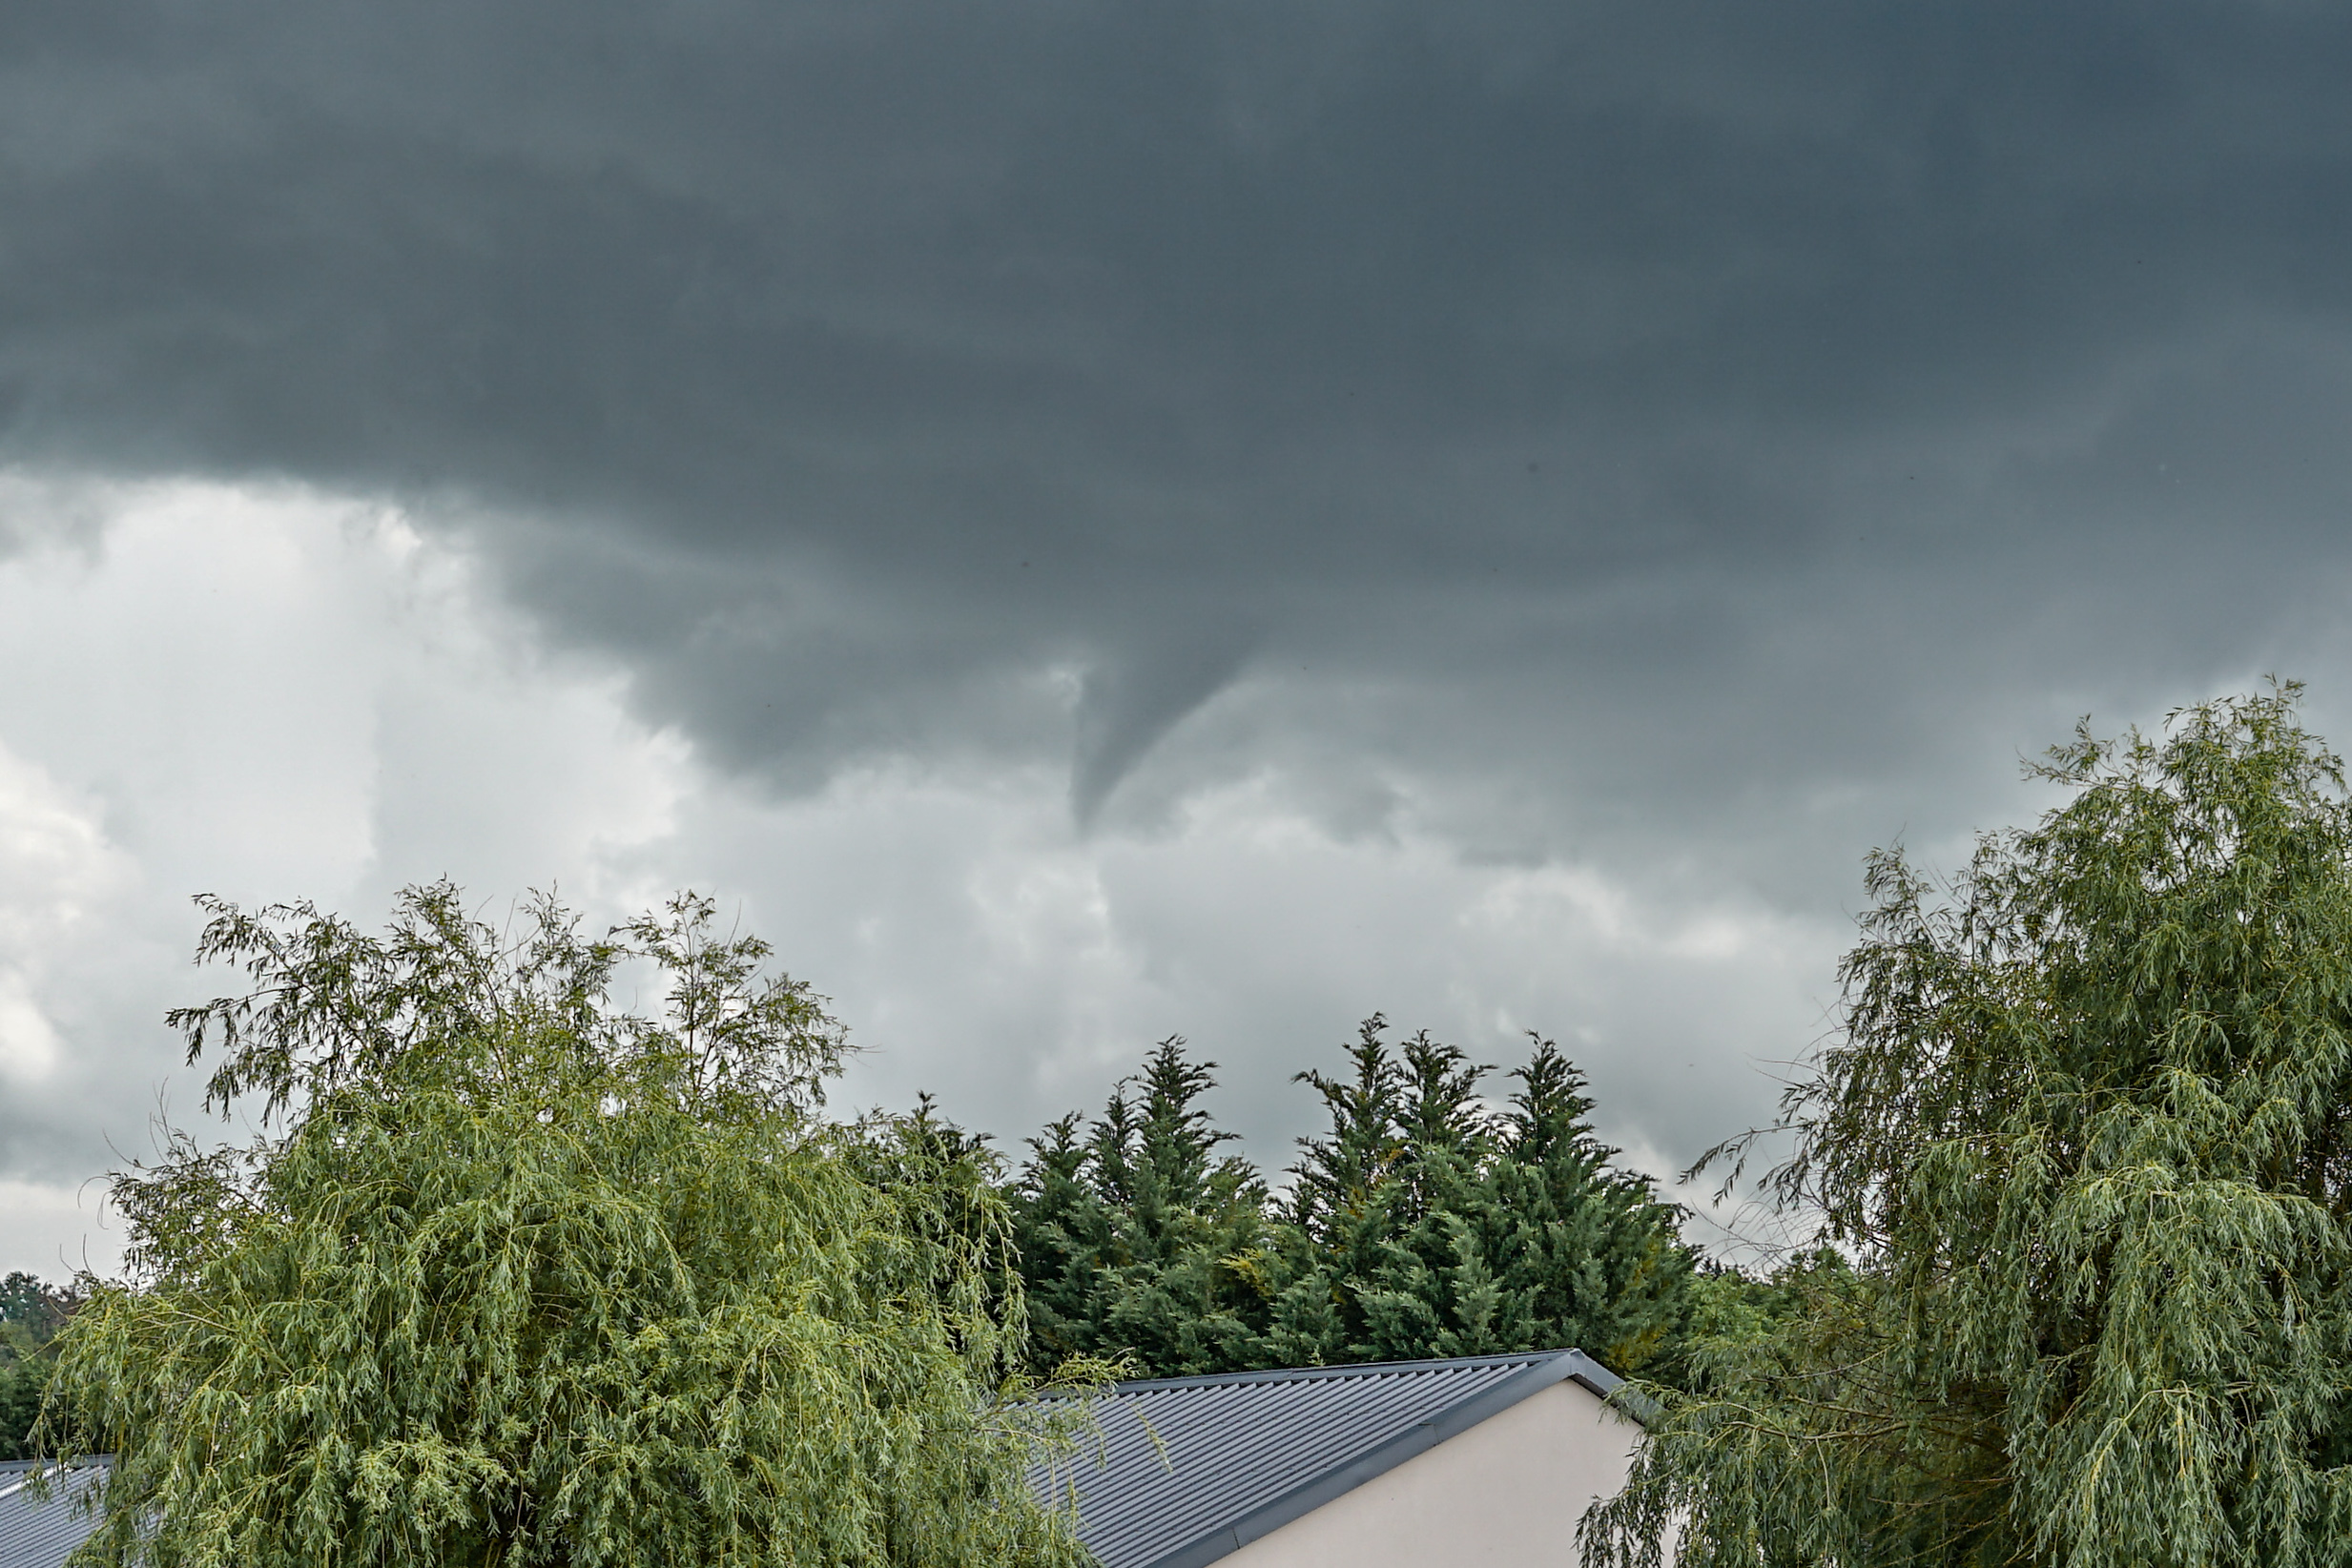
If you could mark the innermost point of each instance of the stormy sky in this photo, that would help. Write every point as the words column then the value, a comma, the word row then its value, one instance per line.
column 1087, row 521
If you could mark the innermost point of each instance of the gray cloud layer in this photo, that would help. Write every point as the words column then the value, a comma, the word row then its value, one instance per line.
column 1663, row 432
column 858, row 352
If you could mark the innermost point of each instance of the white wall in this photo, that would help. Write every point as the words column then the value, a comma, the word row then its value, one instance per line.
column 1506, row 1493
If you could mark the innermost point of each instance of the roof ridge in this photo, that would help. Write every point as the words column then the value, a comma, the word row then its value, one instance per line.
column 1349, row 1368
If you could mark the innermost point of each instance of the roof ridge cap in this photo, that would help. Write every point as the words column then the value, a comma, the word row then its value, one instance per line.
column 1345, row 1369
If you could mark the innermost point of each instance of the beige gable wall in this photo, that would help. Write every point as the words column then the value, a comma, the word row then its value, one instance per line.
column 1506, row 1493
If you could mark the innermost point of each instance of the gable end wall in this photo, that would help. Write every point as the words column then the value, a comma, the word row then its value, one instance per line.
column 1505, row 1494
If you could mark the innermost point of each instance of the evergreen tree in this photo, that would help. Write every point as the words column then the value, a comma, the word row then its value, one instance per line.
column 1421, row 1224
column 1061, row 1238
column 1424, row 1225
column 1137, row 1239
column 512, row 1276
column 2087, row 1135
column 32, row 1312
column 1368, row 1263
column 1582, row 1252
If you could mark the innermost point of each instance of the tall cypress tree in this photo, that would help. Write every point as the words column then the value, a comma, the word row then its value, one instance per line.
column 1337, row 1225
column 1135, row 1237
column 1580, row 1253
column 32, row 1312
column 1370, row 1265
column 1423, row 1223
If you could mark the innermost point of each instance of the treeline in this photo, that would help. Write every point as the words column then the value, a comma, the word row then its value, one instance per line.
column 1422, row 1220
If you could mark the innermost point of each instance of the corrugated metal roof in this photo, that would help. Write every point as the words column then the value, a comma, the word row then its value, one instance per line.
column 37, row 1533
column 1237, row 1456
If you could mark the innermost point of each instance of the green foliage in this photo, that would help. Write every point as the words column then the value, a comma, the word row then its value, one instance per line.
column 519, row 1277
column 1421, row 1224
column 33, row 1308
column 1734, row 1312
column 1137, row 1240
column 32, row 1312
column 2085, row 1131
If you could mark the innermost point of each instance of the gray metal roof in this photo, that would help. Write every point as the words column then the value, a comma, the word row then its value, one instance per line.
column 1239, row 1456
column 37, row 1533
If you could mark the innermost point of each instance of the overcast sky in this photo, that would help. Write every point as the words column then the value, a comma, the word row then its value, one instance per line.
column 1088, row 521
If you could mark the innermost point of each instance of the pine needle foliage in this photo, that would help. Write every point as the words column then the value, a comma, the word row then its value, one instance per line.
column 1423, row 1223
column 517, row 1276
column 1138, row 1241
column 2087, row 1131
column 1426, row 1224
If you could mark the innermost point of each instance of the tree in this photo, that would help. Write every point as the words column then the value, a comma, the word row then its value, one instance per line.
column 1137, row 1240
column 2086, row 1134
column 1399, row 1167
column 1423, row 1223
column 32, row 1312
column 1582, row 1253
column 516, row 1277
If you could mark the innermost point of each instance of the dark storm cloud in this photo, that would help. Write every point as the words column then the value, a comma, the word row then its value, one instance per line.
column 1656, row 390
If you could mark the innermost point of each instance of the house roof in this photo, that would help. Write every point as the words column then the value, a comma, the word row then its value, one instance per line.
column 1189, row 1469
column 37, row 1533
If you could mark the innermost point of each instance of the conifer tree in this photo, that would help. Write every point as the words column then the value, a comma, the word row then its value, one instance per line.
column 32, row 1312
column 1423, row 1225
column 1137, row 1239
column 1580, row 1253
column 1370, row 1262
column 2086, row 1134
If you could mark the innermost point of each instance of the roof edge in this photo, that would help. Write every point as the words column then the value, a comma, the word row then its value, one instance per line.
column 1338, row 1368
column 1558, row 1367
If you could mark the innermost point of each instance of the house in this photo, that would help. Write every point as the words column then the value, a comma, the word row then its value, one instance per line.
column 39, row 1532
column 1480, row 1463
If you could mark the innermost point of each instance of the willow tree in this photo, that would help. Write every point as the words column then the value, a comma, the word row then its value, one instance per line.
column 2086, row 1132
column 515, row 1275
